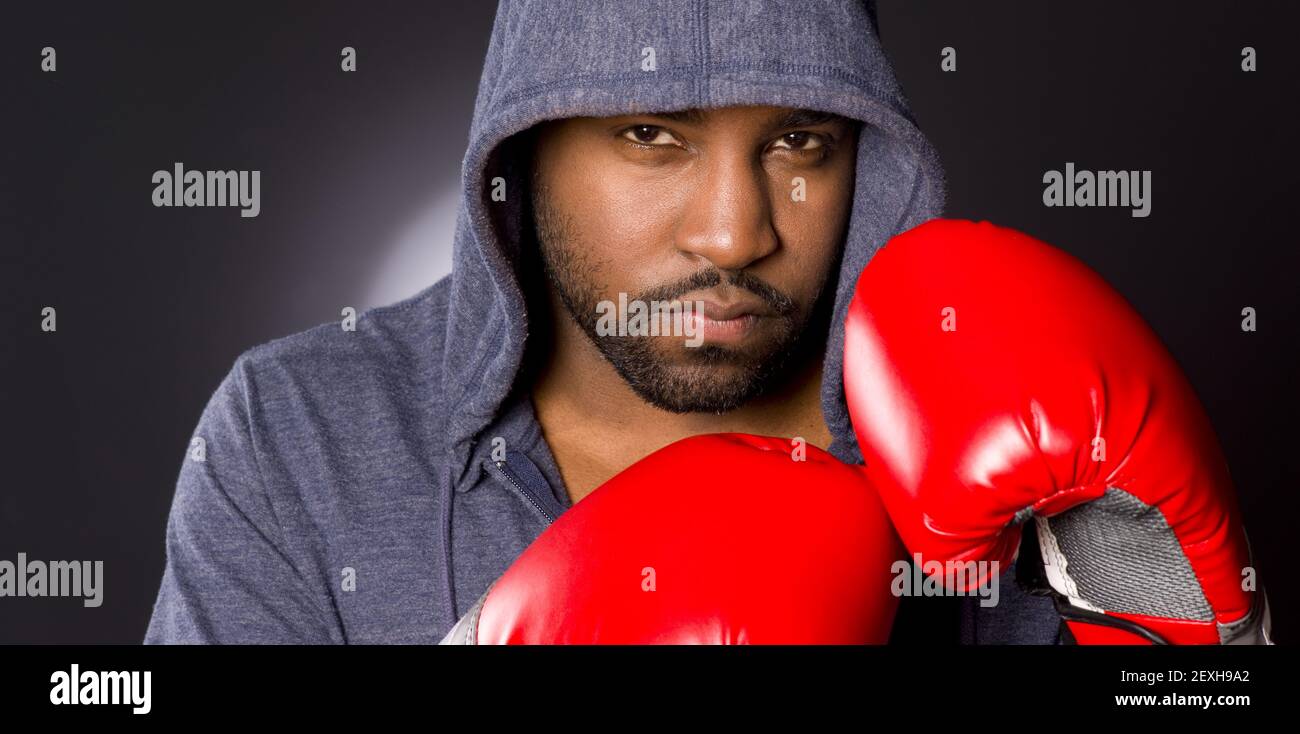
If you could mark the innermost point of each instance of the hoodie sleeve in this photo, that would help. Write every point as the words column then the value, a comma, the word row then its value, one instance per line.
column 229, row 575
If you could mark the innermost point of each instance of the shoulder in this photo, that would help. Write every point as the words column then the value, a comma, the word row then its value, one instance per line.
column 403, row 330
column 393, row 347
column 315, row 407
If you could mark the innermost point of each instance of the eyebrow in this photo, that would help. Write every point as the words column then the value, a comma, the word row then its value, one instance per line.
column 804, row 118
column 794, row 118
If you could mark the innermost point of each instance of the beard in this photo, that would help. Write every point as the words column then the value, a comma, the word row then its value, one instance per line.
column 660, row 370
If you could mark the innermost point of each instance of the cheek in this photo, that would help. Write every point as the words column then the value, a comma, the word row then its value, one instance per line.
column 812, row 231
column 620, row 222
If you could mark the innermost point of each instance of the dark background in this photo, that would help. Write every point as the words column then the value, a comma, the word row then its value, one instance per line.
column 359, row 175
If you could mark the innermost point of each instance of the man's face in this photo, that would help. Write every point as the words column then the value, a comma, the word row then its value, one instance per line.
column 742, row 208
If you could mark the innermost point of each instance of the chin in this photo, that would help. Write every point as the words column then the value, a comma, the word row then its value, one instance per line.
column 698, row 388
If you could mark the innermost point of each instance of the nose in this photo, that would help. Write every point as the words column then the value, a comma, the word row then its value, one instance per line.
column 727, row 219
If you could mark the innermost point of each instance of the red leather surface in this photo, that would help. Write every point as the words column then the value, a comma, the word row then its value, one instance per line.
column 1174, row 631
column 747, row 546
column 962, row 429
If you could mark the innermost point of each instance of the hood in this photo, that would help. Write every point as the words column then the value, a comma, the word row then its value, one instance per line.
column 549, row 60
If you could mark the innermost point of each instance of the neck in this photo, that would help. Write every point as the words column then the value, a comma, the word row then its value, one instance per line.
column 596, row 425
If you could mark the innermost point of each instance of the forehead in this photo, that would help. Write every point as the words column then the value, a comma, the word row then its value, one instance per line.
column 763, row 114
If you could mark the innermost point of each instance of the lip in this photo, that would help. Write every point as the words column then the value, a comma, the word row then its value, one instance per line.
column 725, row 331
column 716, row 311
column 727, row 323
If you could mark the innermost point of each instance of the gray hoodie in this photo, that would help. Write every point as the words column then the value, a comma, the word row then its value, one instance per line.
column 347, row 491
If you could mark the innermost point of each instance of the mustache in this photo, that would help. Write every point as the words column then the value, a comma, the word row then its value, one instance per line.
column 779, row 302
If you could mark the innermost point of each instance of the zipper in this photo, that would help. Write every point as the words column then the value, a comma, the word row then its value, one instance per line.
column 501, row 466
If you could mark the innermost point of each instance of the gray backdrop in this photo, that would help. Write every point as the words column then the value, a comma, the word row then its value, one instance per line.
column 359, row 175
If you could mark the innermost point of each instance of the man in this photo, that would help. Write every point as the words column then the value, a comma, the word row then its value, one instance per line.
column 368, row 486
column 701, row 213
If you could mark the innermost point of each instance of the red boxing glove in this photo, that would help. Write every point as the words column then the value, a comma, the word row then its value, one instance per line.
column 723, row 538
column 992, row 378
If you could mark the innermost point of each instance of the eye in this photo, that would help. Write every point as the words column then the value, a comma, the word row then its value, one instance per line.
column 650, row 135
column 799, row 141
